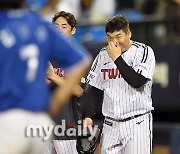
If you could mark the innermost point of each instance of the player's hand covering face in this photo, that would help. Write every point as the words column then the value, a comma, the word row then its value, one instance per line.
column 114, row 51
column 118, row 42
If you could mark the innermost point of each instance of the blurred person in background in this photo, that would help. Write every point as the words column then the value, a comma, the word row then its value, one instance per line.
column 27, row 43
column 70, row 112
column 85, row 8
column 173, row 14
column 128, row 9
column 99, row 12
column 71, row 6
column 152, row 7
column 88, row 10
column 148, row 7
column 79, row 8
column 173, row 8
column 123, row 4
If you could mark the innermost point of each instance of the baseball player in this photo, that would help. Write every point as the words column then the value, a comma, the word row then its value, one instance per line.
column 122, row 74
column 65, row 22
column 27, row 43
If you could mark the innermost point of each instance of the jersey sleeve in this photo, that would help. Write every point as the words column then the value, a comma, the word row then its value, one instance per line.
column 94, row 77
column 145, row 63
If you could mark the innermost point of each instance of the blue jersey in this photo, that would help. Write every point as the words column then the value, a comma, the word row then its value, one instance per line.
column 27, row 43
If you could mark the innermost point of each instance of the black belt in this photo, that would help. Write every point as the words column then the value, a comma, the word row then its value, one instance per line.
column 126, row 119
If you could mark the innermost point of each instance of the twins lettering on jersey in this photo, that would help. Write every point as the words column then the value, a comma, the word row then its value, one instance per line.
column 112, row 73
column 107, row 73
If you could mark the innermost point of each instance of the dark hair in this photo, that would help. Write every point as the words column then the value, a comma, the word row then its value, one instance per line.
column 12, row 4
column 68, row 16
column 117, row 23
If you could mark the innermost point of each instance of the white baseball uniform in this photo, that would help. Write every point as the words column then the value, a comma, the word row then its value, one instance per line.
column 121, row 133
column 15, row 123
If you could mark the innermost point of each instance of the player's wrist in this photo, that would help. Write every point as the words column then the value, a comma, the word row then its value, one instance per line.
column 78, row 91
column 115, row 58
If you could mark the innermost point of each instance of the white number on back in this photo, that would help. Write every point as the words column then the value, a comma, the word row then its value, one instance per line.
column 30, row 53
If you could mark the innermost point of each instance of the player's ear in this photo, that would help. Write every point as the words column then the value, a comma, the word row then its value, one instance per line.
column 129, row 34
column 73, row 31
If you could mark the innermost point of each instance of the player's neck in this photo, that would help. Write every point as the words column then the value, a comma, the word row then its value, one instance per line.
column 128, row 46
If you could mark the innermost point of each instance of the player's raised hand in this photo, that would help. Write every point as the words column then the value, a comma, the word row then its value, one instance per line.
column 114, row 51
column 50, row 71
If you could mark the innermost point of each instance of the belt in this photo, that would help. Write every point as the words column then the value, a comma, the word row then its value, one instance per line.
column 126, row 119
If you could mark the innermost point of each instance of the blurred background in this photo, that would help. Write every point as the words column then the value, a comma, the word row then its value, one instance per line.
column 153, row 22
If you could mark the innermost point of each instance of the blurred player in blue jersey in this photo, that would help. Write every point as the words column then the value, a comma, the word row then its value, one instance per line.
column 27, row 43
